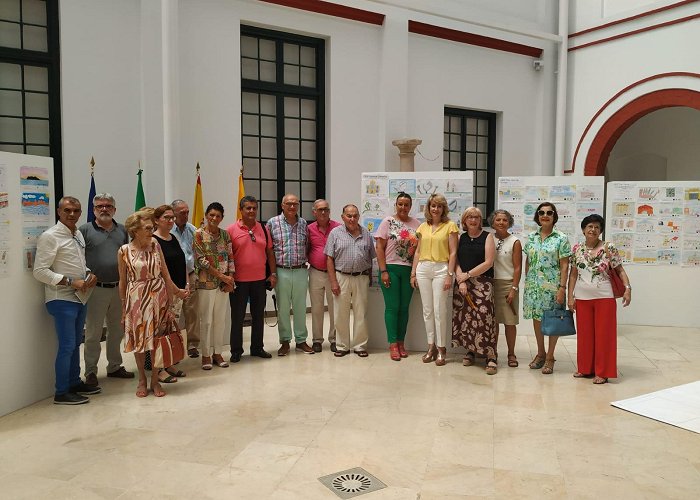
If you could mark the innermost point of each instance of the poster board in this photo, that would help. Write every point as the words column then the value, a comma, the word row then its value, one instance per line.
column 655, row 223
column 26, row 207
column 378, row 195
column 574, row 197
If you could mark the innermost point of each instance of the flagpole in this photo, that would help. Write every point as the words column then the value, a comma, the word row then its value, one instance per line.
column 90, row 208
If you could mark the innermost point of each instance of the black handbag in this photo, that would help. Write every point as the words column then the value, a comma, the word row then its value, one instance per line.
column 558, row 323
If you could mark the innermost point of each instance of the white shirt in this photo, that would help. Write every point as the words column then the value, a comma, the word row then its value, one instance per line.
column 60, row 253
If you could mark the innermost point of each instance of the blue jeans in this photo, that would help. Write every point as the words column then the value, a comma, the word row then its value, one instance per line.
column 69, row 318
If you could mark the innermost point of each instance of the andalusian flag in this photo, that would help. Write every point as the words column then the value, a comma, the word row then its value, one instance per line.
column 198, row 205
column 140, row 196
column 241, row 194
column 93, row 191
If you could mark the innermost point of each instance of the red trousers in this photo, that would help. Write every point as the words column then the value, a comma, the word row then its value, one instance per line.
column 596, row 334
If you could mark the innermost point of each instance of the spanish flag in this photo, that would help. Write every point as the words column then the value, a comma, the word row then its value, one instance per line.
column 241, row 194
column 198, row 205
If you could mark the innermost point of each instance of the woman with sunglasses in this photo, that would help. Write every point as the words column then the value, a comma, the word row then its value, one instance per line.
column 146, row 291
column 507, row 269
column 213, row 264
column 547, row 251
column 164, row 218
column 396, row 246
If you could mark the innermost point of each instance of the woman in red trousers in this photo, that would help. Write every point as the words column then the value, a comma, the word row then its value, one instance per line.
column 591, row 296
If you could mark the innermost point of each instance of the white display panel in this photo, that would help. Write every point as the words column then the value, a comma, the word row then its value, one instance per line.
column 655, row 223
column 574, row 197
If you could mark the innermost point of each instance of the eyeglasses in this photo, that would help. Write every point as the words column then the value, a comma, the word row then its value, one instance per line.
column 104, row 207
column 168, row 217
column 148, row 228
column 252, row 236
column 545, row 212
column 291, row 204
column 322, row 209
column 473, row 216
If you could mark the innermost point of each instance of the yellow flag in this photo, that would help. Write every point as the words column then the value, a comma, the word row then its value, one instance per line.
column 241, row 194
column 198, row 205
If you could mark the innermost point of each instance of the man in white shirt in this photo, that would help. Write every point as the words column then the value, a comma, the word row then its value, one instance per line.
column 60, row 265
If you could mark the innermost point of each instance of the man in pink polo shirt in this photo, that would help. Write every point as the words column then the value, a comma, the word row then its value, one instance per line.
column 319, row 285
column 252, row 248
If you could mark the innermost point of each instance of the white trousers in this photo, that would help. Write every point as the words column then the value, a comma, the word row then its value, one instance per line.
column 319, row 293
column 431, row 280
column 353, row 292
column 213, row 305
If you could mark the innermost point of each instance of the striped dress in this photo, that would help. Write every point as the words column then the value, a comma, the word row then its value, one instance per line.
column 146, row 298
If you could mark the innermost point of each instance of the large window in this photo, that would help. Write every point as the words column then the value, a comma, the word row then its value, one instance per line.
column 470, row 144
column 30, row 115
column 282, row 118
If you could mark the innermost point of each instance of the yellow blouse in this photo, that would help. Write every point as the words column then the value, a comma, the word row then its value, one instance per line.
column 434, row 245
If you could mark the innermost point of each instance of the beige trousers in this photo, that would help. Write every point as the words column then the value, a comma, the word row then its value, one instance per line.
column 319, row 293
column 353, row 292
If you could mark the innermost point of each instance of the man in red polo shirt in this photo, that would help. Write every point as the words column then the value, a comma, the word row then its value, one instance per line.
column 319, row 285
column 252, row 248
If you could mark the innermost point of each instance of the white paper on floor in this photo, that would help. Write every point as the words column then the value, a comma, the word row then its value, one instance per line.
column 679, row 406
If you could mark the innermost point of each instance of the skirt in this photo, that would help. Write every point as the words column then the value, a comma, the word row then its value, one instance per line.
column 473, row 325
column 504, row 313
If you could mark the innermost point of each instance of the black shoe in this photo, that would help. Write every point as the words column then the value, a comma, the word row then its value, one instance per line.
column 262, row 353
column 83, row 388
column 235, row 357
column 317, row 347
column 70, row 398
column 333, row 347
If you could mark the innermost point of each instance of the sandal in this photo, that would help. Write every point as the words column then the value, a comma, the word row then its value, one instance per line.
column 158, row 391
column 582, row 375
column 206, row 363
column 219, row 361
column 600, row 380
column 512, row 361
column 548, row 366
column 537, row 362
column 170, row 379
column 362, row 354
column 176, row 373
column 468, row 359
column 491, row 367
column 141, row 391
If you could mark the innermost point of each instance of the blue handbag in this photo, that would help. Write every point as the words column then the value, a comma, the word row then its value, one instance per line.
column 558, row 323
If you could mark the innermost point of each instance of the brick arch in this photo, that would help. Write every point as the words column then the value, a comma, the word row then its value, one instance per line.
column 618, row 123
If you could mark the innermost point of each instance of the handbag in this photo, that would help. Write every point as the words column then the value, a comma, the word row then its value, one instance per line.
column 618, row 287
column 169, row 348
column 558, row 322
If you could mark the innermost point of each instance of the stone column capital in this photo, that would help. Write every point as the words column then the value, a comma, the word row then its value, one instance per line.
column 407, row 148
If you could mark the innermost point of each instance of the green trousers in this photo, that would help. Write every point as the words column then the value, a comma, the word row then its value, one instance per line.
column 397, row 298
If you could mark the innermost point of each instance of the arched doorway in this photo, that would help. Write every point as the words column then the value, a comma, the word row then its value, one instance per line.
column 619, row 122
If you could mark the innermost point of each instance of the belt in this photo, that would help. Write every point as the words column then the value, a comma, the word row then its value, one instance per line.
column 114, row 284
column 292, row 267
column 359, row 273
column 322, row 270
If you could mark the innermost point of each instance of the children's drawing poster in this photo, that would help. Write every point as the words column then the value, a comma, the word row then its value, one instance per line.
column 574, row 197
column 656, row 223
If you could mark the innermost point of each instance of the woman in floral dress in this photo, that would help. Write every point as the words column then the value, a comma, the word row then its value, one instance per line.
column 396, row 245
column 473, row 321
column 591, row 296
column 546, row 271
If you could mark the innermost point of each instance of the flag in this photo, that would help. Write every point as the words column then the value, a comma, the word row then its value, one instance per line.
column 140, row 196
column 93, row 192
column 198, row 205
column 241, row 194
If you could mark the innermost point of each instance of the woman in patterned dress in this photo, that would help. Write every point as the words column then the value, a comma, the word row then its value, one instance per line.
column 473, row 322
column 396, row 245
column 213, row 264
column 591, row 296
column 145, row 289
column 546, row 272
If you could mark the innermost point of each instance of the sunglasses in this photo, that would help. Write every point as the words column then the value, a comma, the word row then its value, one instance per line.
column 252, row 236
column 499, row 245
column 545, row 212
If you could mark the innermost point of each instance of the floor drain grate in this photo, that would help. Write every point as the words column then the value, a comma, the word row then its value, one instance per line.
column 351, row 483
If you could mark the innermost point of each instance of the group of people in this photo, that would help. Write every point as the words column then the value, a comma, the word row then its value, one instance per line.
column 156, row 271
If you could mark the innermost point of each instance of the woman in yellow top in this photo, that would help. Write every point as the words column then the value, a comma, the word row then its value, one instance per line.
column 433, row 272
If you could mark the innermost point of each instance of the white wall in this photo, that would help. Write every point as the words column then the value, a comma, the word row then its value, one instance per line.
column 671, row 134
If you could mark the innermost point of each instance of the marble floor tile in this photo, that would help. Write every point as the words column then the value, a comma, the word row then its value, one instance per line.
column 269, row 428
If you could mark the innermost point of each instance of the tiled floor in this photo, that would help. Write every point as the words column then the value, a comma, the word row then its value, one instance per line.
column 269, row 428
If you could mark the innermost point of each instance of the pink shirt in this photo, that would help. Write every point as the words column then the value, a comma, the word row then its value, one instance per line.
column 250, row 256
column 401, row 240
column 317, row 242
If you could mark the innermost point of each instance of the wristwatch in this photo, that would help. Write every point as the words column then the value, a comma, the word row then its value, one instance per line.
column 450, row 273
column 69, row 281
column 629, row 287
column 515, row 288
